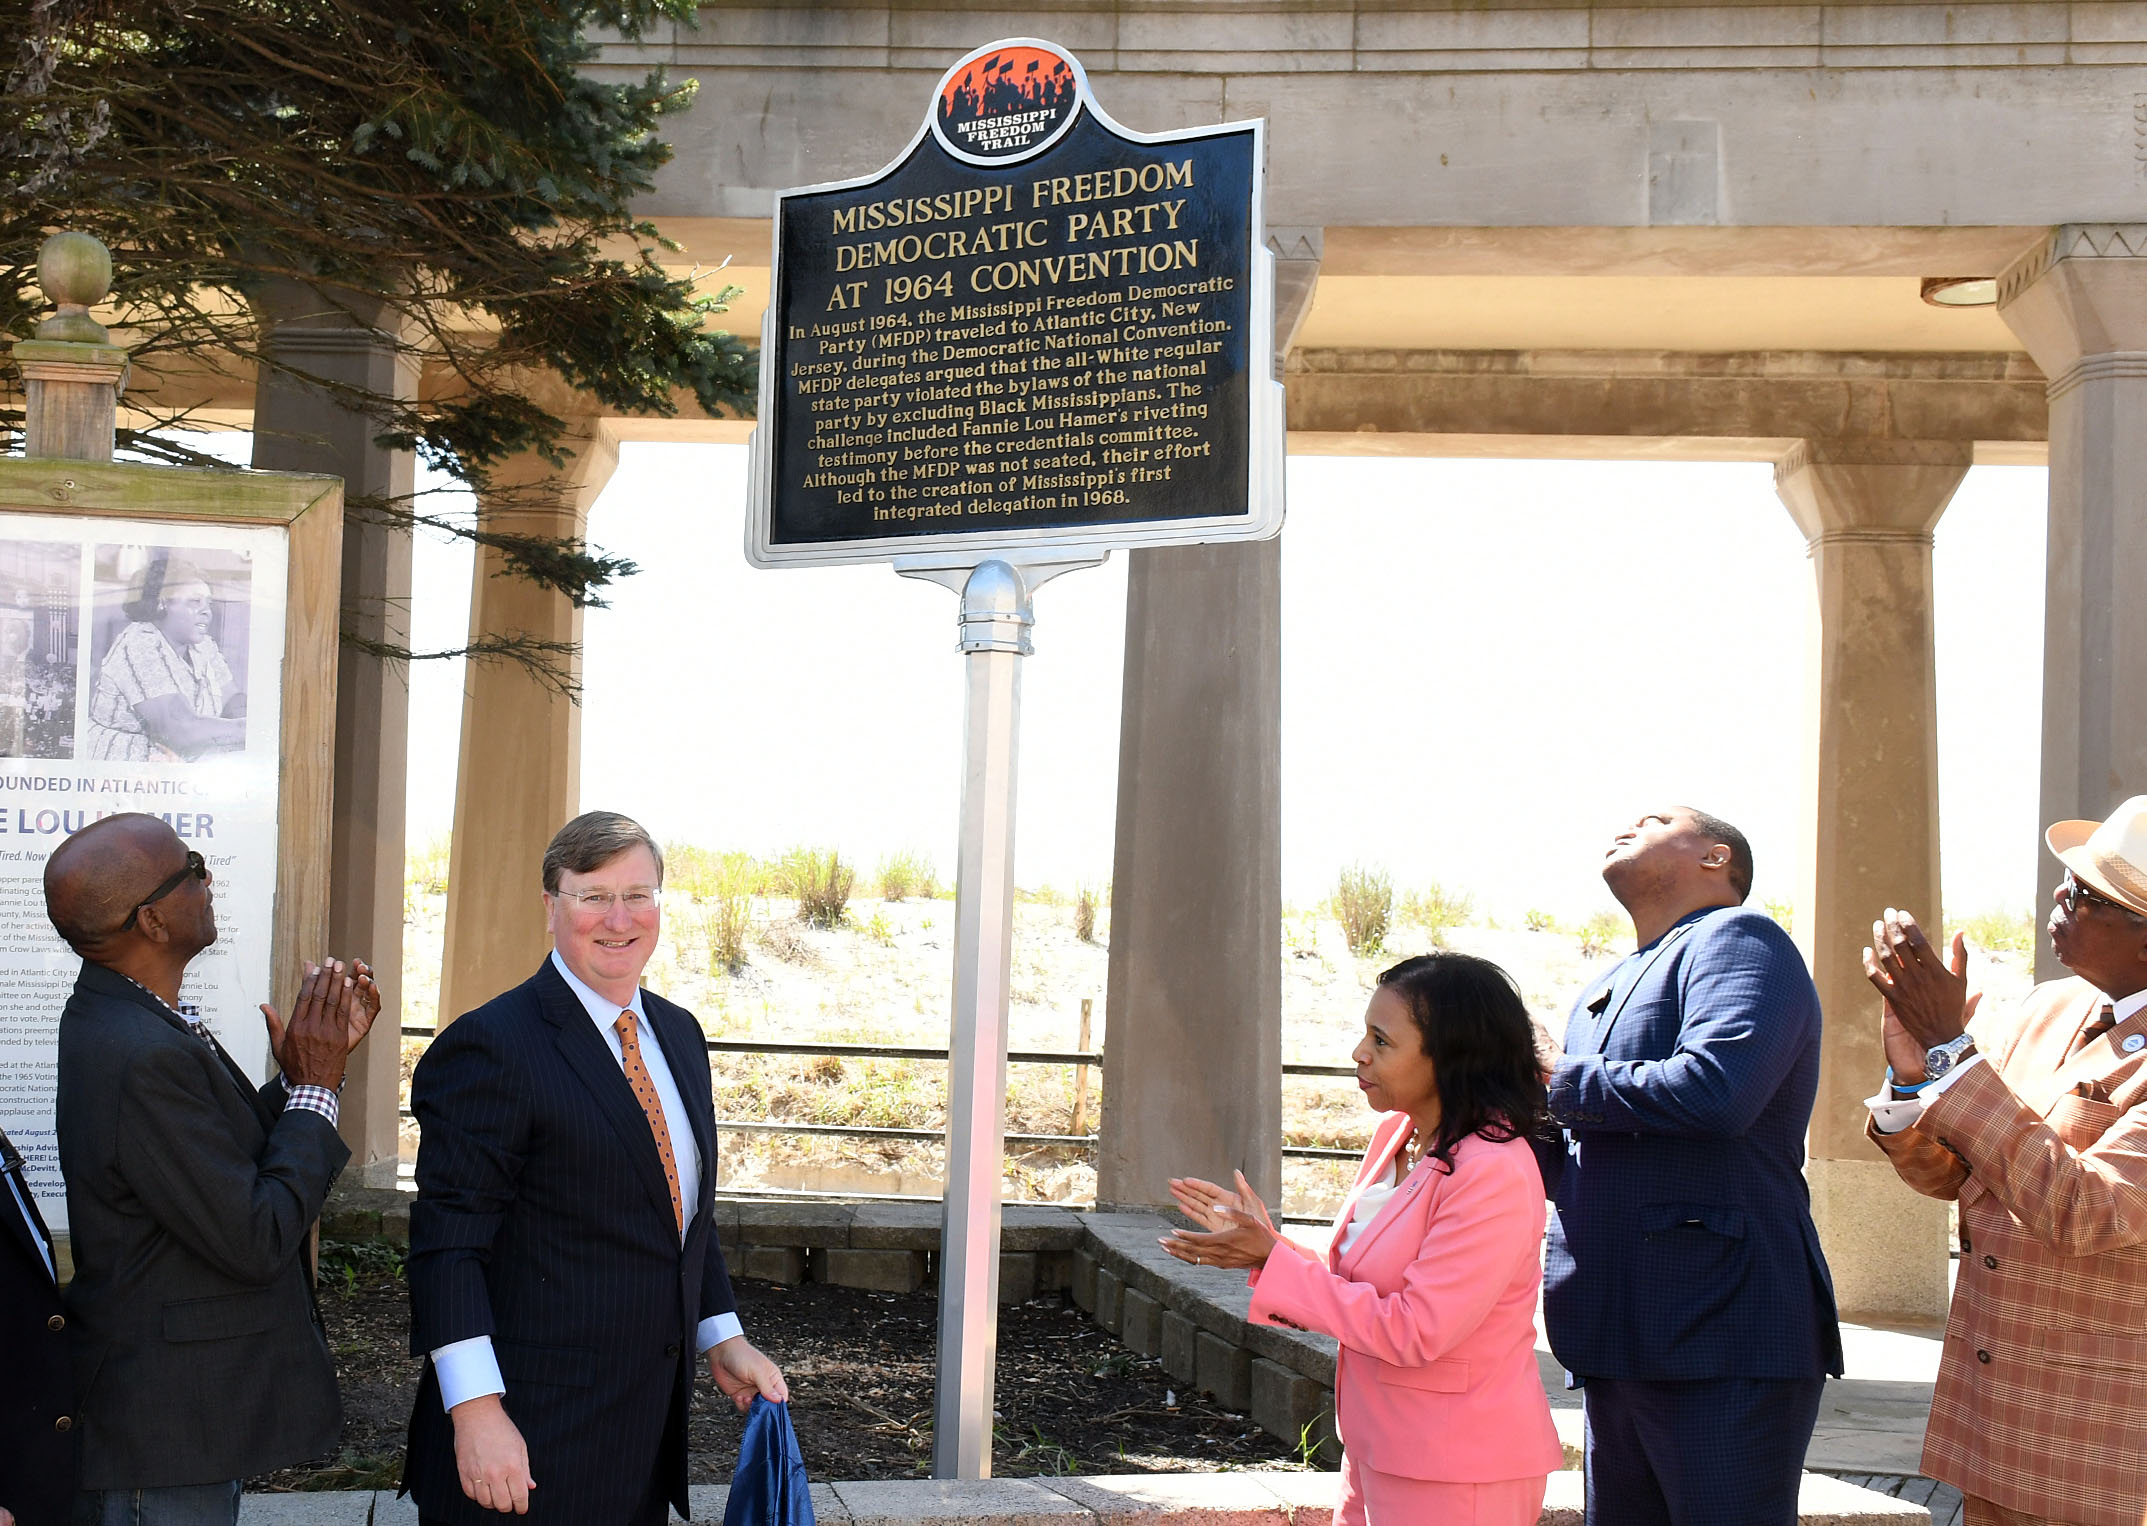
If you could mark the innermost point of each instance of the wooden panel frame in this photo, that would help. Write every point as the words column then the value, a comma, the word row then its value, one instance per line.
column 311, row 509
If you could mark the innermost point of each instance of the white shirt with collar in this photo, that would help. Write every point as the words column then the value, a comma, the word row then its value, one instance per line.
column 470, row 1369
column 1892, row 1115
column 1369, row 1203
column 14, row 1186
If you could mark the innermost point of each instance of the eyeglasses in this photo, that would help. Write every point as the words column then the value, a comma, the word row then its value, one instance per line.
column 635, row 901
column 2080, row 898
column 195, row 866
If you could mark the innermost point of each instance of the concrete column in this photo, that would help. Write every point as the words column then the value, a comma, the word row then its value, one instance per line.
column 1192, row 1063
column 2078, row 301
column 1192, row 1069
column 520, row 774
column 1871, row 829
column 302, row 423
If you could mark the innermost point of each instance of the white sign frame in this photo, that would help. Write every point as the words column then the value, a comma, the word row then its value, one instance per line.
column 1266, row 431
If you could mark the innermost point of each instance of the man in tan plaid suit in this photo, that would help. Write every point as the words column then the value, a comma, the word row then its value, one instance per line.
column 2036, row 1122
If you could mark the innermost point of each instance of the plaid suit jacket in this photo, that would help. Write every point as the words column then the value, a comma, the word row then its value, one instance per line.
column 2041, row 1403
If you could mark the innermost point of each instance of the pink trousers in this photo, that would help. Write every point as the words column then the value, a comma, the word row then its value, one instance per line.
column 1373, row 1498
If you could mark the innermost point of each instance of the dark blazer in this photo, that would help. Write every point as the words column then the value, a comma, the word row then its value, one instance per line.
column 543, row 1220
column 37, row 1382
column 1682, row 1245
column 190, row 1192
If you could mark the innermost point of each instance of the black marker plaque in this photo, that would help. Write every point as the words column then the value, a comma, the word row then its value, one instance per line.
column 1034, row 326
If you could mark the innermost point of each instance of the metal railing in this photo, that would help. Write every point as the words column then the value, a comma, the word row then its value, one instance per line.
column 1073, row 1057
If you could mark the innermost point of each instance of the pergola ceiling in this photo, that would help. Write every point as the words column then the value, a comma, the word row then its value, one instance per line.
column 1705, row 290
column 1548, row 299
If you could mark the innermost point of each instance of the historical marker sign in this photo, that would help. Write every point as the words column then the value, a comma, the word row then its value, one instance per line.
column 1033, row 329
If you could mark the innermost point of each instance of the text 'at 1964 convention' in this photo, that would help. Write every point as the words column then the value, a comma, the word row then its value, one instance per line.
column 1021, row 349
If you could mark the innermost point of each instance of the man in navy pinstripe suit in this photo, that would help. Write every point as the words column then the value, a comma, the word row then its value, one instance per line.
column 563, row 1272
column 1683, row 1286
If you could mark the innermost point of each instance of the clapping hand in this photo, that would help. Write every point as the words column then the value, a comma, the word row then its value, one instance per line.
column 1927, row 1000
column 1237, row 1229
column 335, row 1010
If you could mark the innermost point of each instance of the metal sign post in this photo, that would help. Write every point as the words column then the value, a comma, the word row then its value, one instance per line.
column 1033, row 338
column 996, row 617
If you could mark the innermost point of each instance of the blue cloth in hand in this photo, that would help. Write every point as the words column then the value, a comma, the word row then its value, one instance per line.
column 769, row 1488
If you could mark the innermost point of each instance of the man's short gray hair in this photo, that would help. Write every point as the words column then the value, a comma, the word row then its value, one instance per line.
column 592, row 840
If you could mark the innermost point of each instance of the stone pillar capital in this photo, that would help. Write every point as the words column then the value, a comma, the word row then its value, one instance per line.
column 1870, row 491
column 2078, row 301
column 1298, row 252
column 589, row 446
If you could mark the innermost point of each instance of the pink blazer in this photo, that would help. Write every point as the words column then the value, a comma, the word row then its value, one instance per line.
column 1435, row 1308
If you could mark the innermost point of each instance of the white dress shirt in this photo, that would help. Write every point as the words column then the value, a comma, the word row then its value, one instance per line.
column 1375, row 1198
column 1892, row 1115
column 14, row 1186
column 470, row 1369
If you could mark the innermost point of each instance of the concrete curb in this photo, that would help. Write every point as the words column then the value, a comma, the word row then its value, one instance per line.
column 1136, row 1499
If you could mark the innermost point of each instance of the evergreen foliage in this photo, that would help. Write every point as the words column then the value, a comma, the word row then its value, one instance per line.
column 443, row 172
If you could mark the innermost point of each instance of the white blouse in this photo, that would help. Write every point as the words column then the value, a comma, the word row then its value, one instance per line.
column 1368, row 1206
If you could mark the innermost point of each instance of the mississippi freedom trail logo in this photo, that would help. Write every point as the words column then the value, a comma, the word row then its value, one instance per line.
column 1007, row 101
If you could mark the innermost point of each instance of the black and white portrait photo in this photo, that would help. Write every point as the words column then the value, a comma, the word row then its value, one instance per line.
column 169, row 631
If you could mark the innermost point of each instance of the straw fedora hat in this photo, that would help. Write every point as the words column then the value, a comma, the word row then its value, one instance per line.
column 2110, row 855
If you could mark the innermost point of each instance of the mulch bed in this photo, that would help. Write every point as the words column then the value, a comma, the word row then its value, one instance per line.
column 1070, row 1398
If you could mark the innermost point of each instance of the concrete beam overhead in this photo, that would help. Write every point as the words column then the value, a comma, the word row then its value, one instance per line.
column 1761, row 251
column 1468, row 115
column 1692, row 313
column 1579, row 447
column 1660, row 396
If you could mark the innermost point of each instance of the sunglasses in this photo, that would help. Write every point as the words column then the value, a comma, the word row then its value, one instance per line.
column 2080, row 898
column 196, row 868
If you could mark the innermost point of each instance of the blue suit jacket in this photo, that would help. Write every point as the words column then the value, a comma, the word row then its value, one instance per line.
column 543, row 1220
column 1682, row 1244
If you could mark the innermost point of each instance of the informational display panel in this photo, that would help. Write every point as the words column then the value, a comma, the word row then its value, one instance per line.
column 141, row 669
column 1034, row 327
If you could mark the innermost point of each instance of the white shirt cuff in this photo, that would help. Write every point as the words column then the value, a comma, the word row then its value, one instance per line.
column 1892, row 1114
column 714, row 1331
column 468, row 1370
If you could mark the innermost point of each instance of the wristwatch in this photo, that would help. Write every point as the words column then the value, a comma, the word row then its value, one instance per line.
column 1940, row 1058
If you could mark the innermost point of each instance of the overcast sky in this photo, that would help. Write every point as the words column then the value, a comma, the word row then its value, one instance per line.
column 1487, row 667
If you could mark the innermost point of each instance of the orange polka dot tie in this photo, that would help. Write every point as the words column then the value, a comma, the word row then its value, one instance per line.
column 637, row 1076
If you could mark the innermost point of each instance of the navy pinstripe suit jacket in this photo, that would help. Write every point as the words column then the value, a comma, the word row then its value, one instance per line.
column 543, row 1220
column 1682, row 1244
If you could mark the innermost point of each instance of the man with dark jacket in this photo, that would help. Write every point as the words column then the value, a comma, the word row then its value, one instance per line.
column 1683, row 1284
column 564, row 1271
column 37, row 1444
column 199, row 1359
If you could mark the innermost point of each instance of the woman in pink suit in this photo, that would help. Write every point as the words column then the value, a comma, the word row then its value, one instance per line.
column 1430, row 1278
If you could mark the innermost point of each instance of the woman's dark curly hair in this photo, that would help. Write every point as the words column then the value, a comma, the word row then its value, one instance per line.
column 1476, row 1032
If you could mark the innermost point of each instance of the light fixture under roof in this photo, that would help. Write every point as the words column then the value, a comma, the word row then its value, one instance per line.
column 1960, row 291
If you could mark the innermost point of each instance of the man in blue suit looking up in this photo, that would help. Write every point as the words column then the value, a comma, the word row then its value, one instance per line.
column 1684, row 1290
